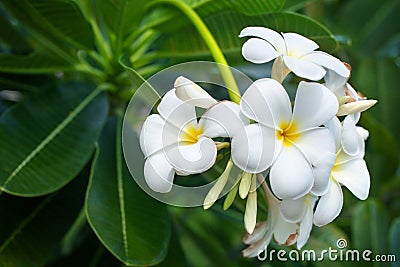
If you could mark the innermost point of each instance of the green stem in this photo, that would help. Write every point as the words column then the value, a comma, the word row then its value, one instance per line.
column 212, row 44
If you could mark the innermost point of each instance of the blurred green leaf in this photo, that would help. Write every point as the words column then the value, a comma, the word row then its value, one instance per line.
column 378, row 78
column 46, row 139
column 131, row 224
column 57, row 21
column 369, row 226
column 382, row 154
column 370, row 23
column 168, row 18
column 11, row 40
column 227, row 26
column 175, row 256
column 33, row 63
column 212, row 237
column 86, row 251
column 394, row 241
column 121, row 17
column 32, row 228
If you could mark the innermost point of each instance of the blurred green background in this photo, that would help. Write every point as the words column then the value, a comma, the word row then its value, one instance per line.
column 368, row 34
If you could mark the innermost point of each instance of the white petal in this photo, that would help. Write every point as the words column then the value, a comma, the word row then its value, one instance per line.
column 257, row 247
column 158, row 173
column 325, row 149
column 266, row 102
column 150, row 135
column 223, row 120
column 322, row 170
column 293, row 211
column 258, row 51
column 298, row 45
column 175, row 111
column 195, row 158
column 314, row 105
column 306, row 224
column 191, row 93
column 291, row 175
column 335, row 127
column 272, row 37
column 321, row 156
column 350, row 137
column 329, row 205
column 329, row 62
column 362, row 132
column 304, row 69
column 353, row 93
column 253, row 149
column 335, row 83
column 355, row 176
column 258, row 233
column 285, row 233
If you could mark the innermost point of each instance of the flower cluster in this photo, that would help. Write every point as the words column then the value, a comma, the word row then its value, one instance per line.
column 301, row 154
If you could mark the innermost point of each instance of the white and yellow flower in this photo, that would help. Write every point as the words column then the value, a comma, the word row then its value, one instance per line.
column 297, row 52
column 299, row 151
column 173, row 141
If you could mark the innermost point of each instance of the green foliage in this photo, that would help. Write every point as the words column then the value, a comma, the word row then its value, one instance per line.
column 92, row 56
column 132, row 225
column 55, row 131
column 33, row 228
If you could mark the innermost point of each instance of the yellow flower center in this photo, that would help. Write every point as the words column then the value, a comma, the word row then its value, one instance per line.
column 190, row 134
column 287, row 133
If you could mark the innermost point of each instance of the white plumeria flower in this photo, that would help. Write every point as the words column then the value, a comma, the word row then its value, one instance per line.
column 300, row 151
column 173, row 141
column 283, row 232
column 300, row 211
column 350, row 171
column 298, row 53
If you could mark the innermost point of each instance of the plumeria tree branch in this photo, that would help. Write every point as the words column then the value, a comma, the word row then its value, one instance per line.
column 211, row 43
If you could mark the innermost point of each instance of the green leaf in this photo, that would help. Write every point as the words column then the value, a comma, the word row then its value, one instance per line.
column 370, row 28
column 394, row 241
column 11, row 40
column 257, row 7
column 382, row 153
column 168, row 18
column 226, row 27
column 46, row 139
column 31, row 229
column 131, row 224
column 369, row 226
column 87, row 250
column 121, row 17
column 378, row 78
column 33, row 63
column 58, row 20
column 175, row 256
